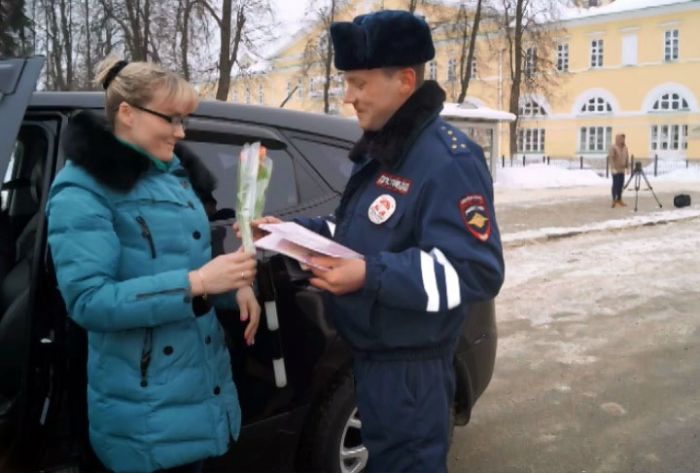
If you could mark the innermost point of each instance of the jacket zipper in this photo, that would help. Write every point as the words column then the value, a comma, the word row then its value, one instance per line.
column 146, row 233
column 146, row 356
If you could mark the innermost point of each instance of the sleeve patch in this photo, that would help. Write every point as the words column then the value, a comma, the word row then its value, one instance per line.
column 475, row 215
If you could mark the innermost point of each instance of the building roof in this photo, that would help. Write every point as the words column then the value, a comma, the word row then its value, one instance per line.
column 618, row 6
column 470, row 111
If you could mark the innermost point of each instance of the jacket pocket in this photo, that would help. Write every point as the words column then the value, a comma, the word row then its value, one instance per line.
column 147, row 235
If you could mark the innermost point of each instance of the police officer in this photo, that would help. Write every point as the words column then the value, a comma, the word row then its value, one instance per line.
column 419, row 207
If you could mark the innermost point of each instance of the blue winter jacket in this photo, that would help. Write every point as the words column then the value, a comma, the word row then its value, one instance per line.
column 123, row 236
column 419, row 207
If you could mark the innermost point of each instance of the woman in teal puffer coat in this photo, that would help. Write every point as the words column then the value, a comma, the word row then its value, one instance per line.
column 130, row 241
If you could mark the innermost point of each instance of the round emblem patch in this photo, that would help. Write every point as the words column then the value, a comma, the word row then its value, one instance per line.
column 382, row 209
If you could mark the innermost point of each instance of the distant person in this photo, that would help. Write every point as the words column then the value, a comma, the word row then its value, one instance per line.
column 618, row 159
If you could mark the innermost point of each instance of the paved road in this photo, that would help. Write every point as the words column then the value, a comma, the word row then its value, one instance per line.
column 598, row 366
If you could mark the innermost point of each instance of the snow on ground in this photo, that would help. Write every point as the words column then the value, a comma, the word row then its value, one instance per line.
column 540, row 176
column 539, row 234
column 681, row 175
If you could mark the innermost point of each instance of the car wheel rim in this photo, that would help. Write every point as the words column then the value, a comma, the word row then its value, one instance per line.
column 353, row 454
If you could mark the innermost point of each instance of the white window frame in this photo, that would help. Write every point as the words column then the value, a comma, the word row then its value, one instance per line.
column 248, row 94
column 666, row 137
column 261, row 94
column 563, row 57
column 532, row 109
column 594, row 139
column 530, row 66
column 671, row 102
column 596, row 105
column 597, row 51
column 474, row 68
column 300, row 88
column 432, row 70
column 629, row 50
column 451, row 70
column 671, row 45
column 531, row 140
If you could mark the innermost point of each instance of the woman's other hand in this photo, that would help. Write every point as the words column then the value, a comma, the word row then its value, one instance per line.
column 250, row 311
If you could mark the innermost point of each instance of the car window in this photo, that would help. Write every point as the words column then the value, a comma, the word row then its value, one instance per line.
column 222, row 160
column 331, row 161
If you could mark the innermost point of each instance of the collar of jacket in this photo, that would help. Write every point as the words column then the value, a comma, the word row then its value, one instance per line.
column 89, row 143
column 390, row 145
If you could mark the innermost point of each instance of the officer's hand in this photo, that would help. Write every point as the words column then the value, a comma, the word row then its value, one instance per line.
column 255, row 225
column 250, row 310
column 343, row 277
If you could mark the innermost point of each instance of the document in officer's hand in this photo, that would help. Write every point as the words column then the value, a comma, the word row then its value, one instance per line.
column 301, row 244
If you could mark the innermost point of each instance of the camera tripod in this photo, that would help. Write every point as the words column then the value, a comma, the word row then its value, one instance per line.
column 637, row 175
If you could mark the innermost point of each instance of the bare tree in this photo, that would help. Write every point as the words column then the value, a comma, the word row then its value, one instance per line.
column 318, row 52
column 466, row 57
column 134, row 18
column 529, row 39
column 14, row 25
column 58, row 28
column 414, row 4
column 243, row 24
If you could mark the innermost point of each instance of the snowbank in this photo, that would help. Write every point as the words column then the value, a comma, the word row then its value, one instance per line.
column 538, row 176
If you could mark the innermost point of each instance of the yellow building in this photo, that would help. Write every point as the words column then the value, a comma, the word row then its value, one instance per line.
column 626, row 66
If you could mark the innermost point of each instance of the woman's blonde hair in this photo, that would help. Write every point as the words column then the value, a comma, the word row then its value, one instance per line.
column 137, row 84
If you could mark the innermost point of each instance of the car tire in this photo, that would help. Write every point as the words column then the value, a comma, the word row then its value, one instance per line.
column 332, row 442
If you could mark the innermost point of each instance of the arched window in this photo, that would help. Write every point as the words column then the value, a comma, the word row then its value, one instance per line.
column 670, row 102
column 596, row 105
column 531, row 109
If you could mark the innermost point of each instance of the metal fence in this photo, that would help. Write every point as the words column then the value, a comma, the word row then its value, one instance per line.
column 652, row 165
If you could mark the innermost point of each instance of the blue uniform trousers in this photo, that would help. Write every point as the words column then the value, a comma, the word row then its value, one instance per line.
column 405, row 408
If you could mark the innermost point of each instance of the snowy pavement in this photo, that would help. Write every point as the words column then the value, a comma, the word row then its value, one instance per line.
column 579, row 202
column 599, row 337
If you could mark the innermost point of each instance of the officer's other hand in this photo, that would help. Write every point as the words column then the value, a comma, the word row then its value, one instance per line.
column 255, row 225
column 343, row 277
column 250, row 311
column 224, row 273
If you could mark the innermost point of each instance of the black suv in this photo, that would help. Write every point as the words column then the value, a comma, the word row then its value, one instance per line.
column 308, row 424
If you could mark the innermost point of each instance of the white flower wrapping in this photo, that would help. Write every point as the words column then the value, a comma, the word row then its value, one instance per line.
column 254, row 172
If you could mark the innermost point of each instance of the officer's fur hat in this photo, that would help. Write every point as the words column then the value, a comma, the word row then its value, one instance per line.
column 389, row 38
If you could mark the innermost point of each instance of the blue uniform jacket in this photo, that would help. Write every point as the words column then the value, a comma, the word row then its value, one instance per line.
column 424, row 220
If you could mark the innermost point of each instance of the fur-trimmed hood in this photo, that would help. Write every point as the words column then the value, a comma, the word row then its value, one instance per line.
column 390, row 144
column 89, row 143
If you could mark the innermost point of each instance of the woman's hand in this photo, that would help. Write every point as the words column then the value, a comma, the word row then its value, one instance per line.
column 250, row 310
column 224, row 273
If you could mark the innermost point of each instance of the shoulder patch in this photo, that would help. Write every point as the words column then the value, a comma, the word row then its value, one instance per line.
column 454, row 139
column 475, row 215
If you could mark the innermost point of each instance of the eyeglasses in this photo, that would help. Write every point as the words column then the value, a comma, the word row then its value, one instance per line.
column 174, row 120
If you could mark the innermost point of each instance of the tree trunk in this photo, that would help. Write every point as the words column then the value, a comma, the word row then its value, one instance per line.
column 88, row 45
column 229, row 51
column 466, row 64
column 516, row 73
column 67, row 35
column 328, row 62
